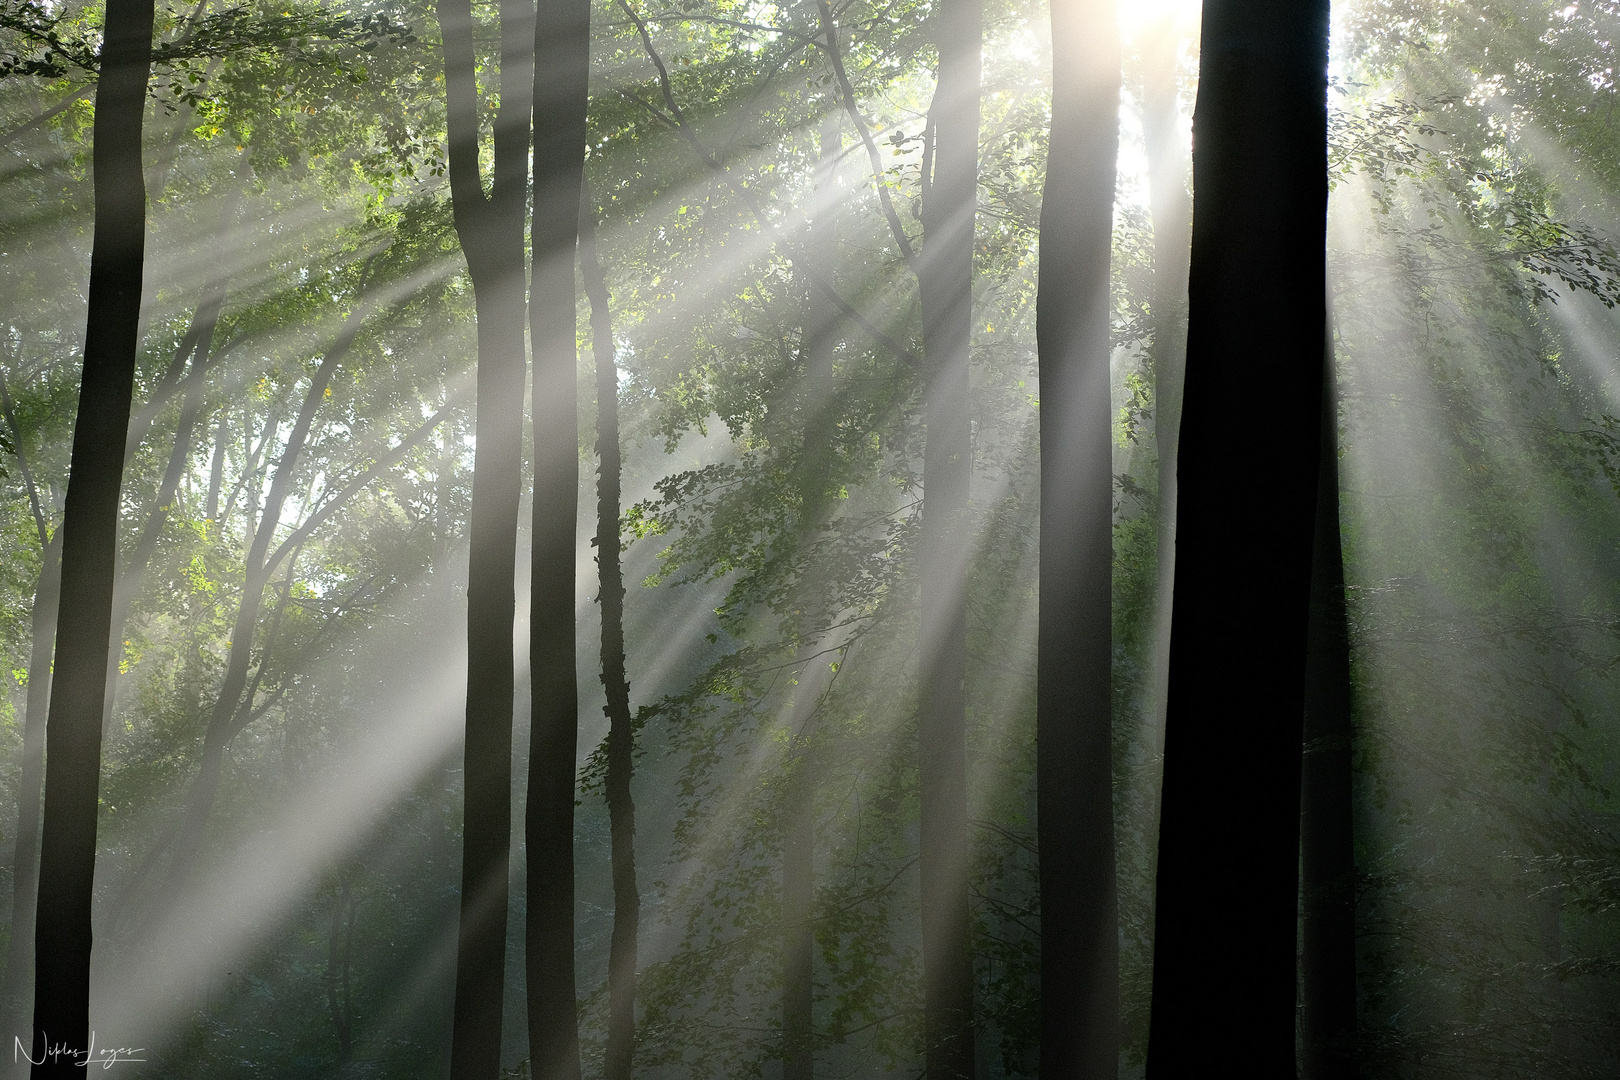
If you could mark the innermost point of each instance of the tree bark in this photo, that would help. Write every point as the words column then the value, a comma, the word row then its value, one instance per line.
column 945, row 288
column 1225, row 960
column 1074, row 733
column 562, row 50
column 63, row 938
column 1327, row 823
column 491, row 232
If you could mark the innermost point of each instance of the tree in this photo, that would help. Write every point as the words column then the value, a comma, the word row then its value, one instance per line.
column 15, row 989
column 562, row 46
column 1327, row 926
column 62, row 938
column 1074, row 730
column 945, row 288
column 618, row 1055
column 491, row 231
column 1225, row 959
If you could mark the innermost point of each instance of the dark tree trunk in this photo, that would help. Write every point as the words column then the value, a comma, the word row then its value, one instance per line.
column 339, row 960
column 1327, row 839
column 817, row 412
column 945, row 287
column 563, row 51
column 1074, row 735
column 62, row 938
column 30, row 782
column 491, row 232
column 619, row 1053
column 1171, row 210
column 1224, row 988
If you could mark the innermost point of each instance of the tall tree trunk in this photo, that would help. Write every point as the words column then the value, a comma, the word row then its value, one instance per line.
column 1074, row 734
column 62, row 938
column 1171, row 210
column 1327, row 824
column 491, row 232
column 619, row 1053
column 1224, row 988
column 818, row 413
column 563, row 51
column 945, row 288
column 30, row 781
column 216, row 471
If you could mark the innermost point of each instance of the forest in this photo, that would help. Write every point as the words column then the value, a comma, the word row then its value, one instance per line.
column 810, row 539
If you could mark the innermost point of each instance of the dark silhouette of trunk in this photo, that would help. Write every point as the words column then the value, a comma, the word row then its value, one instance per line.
column 339, row 963
column 945, row 288
column 1225, row 959
column 1327, row 826
column 62, row 938
column 491, row 232
column 1171, row 210
column 563, row 51
column 1074, row 734
column 817, row 412
column 30, row 782
column 619, row 1053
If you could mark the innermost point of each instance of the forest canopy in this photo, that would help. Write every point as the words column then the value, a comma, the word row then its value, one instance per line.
column 713, row 539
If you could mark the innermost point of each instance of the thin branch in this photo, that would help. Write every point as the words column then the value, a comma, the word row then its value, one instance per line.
column 355, row 486
column 676, row 119
column 830, row 30
column 49, row 114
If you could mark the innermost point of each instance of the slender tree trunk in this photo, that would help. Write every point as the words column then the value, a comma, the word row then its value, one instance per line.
column 563, row 50
column 619, row 1053
column 30, row 782
column 1327, row 825
column 491, row 232
column 945, row 287
column 1224, row 988
column 216, row 471
column 817, row 410
column 62, row 939
column 1171, row 210
column 1074, row 735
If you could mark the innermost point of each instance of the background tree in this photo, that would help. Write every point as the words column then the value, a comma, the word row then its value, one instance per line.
column 1075, row 753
